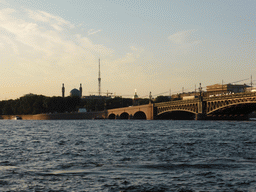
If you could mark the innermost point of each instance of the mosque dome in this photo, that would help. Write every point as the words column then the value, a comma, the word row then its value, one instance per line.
column 75, row 92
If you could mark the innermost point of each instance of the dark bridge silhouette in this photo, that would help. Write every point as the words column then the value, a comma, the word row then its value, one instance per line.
column 236, row 107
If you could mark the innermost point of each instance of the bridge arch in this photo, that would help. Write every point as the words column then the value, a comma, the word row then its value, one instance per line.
column 124, row 115
column 232, row 108
column 139, row 115
column 189, row 107
column 177, row 115
column 112, row 116
column 176, row 110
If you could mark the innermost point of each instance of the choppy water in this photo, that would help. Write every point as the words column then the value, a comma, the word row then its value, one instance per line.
column 126, row 155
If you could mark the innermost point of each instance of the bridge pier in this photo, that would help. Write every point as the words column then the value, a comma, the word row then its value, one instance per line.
column 200, row 116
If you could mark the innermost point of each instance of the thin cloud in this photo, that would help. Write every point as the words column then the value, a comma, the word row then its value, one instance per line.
column 48, row 18
column 129, row 57
column 92, row 32
column 39, row 46
column 54, row 21
column 35, row 42
column 184, row 39
column 57, row 19
column 3, row 2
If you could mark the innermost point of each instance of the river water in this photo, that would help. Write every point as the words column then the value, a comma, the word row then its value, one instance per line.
column 126, row 155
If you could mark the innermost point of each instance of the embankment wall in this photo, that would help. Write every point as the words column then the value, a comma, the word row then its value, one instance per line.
column 56, row 116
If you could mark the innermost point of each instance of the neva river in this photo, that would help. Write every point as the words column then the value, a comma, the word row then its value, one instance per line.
column 127, row 155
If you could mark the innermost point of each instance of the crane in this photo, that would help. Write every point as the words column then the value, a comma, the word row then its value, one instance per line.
column 108, row 93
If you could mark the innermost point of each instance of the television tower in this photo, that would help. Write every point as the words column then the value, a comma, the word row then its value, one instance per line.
column 99, row 79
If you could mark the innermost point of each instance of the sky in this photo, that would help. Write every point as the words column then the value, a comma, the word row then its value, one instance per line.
column 162, row 47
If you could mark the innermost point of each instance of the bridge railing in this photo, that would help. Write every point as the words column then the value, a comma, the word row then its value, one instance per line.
column 179, row 102
column 231, row 96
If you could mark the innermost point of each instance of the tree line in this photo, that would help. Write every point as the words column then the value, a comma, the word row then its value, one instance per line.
column 37, row 104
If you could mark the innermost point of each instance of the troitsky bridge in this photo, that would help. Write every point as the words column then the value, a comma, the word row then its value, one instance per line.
column 231, row 107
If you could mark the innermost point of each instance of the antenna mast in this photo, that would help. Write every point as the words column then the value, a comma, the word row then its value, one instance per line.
column 99, row 79
column 251, row 82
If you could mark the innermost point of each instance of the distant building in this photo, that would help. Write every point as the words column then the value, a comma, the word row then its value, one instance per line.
column 74, row 93
column 226, row 88
column 135, row 98
column 217, row 90
column 251, row 89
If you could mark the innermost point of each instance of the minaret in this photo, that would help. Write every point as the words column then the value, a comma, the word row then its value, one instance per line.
column 99, row 79
column 80, row 90
column 63, row 90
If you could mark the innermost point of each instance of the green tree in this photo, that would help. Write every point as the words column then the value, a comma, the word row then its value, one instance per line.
column 72, row 103
column 161, row 98
column 7, row 108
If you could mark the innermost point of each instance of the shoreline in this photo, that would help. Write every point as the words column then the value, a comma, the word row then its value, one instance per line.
column 56, row 116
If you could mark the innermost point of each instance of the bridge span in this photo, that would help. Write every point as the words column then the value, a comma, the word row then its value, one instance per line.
column 230, row 107
column 132, row 112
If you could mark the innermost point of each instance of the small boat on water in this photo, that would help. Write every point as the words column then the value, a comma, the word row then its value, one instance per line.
column 17, row 118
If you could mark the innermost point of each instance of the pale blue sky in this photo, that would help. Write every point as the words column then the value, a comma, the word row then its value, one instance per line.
column 145, row 45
